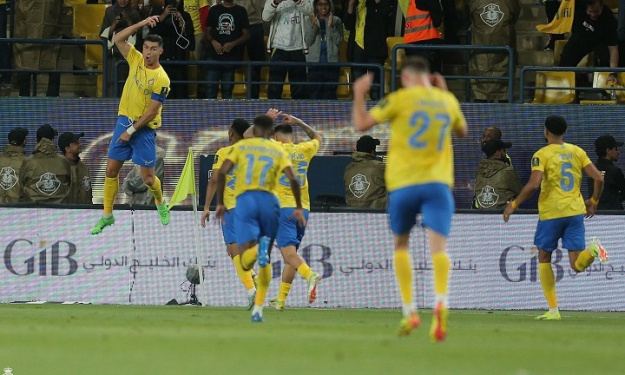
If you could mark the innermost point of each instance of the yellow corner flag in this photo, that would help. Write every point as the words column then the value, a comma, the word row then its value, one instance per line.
column 186, row 183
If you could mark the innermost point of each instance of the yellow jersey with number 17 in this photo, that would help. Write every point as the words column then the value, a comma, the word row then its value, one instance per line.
column 562, row 166
column 229, row 199
column 142, row 86
column 259, row 163
column 301, row 154
column 421, row 120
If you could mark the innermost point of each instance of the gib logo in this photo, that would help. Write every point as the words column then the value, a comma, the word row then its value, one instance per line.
column 56, row 261
column 516, row 271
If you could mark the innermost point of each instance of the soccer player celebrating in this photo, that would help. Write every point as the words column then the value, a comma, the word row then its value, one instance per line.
column 419, row 174
column 260, row 163
column 235, row 133
column 557, row 170
column 139, row 113
column 290, row 234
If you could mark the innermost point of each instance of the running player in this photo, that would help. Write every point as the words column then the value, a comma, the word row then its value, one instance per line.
column 260, row 163
column 139, row 113
column 235, row 133
column 557, row 170
column 290, row 234
column 419, row 174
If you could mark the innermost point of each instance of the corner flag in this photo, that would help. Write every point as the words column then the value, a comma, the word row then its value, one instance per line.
column 186, row 183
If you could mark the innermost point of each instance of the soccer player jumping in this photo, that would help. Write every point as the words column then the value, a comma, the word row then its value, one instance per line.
column 557, row 170
column 419, row 174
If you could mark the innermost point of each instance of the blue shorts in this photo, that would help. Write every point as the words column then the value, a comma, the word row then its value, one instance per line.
column 141, row 147
column 227, row 227
column 570, row 229
column 257, row 215
column 289, row 231
column 434, row 201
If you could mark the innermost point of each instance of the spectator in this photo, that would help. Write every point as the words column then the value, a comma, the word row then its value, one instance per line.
column 614, row 181
column 594, row 29
column 117, row 17
column 227, row 30
column 493, row 24
column 286, row 43
column 80, row 189
column 134, row 186
column 421, row 27
column 497, row 182
column 45, row 176
column 176, row 29
column 198, row 10
column 324, row 34
column 11, row 160
column 5, row 48
column 369, row 23
column 256, row 44
column 364, row 177
column 38, row 19
column 551, row 9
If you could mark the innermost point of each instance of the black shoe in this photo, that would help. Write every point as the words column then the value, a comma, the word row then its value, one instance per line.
column 551, row 45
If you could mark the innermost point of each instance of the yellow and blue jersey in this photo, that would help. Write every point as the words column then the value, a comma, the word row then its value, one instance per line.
column 562, row 166
column 142, row 86
column 229, row 199
column 259, row 163
column 300, row 154
column 421, row 121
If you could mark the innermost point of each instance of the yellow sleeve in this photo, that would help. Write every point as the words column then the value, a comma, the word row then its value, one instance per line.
column 583, row 158
column 219, row 159
column 285, row 161
column 232, row 155
column 538, row 161
column 384, row 110
column 161, row 87
column 309, row 148
column 134, row 58
column 458, row 120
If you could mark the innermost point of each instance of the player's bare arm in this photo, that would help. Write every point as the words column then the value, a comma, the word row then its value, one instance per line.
column 210, row 193
column 597, row 176
column 220, row 210
column 360, row 116
column 120, row 38
column 148, row 116
column 298, row 213
column 528, row 190
column 310, row 132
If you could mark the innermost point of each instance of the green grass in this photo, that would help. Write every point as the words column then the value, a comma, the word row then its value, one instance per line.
column 58, row 339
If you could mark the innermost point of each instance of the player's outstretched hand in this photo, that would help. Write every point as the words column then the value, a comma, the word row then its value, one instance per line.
column 363, row 84
column 273, row 113
column 205, row 217
column 507, row 212
column 220, row 211
column 299, row 215
column 437, row 80
column 591, row 208
column 290, row 119
column 152, row 21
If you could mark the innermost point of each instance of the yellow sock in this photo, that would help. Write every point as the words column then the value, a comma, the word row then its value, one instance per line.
column 403, row 272
column 548, row 282
column 156, row 191
column 284, row 291
column 304, row 271
column 245, row 276
column 441, row 273
column 249, row 257
column 584, row 259
column 264, row 277
column 111, row 185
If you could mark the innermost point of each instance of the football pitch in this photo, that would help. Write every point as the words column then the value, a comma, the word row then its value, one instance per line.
column 95, row 339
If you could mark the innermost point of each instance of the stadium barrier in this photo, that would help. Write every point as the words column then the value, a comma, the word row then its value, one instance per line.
column 49, row 255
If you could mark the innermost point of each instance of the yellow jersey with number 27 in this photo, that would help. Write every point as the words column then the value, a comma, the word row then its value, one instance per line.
column 421, row 120
column 300, row 154
column 562, row 166
column 259, row 163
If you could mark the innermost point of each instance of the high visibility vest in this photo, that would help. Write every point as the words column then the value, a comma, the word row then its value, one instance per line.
column 419, row 25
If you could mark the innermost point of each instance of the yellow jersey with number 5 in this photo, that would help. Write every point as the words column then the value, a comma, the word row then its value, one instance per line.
column 259, row 164
column 562, row 166
column 421, row 120
column 300, row 154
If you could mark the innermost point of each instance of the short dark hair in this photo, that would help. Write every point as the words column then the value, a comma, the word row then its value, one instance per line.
column 556, row 124
column 264, row 122
column 589, row 3
column 154, row 38
column 239, row 126
column 416, row 64
column 284, row 129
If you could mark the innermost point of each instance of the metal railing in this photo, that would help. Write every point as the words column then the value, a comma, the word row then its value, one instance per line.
column 249, row 65
column 468, row 48
column 63, row 42
column 523, row 87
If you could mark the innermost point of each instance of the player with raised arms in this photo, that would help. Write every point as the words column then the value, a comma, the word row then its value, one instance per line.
column 419, row 174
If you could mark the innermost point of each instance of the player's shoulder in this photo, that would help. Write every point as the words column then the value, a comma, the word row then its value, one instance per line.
column 224, row 150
